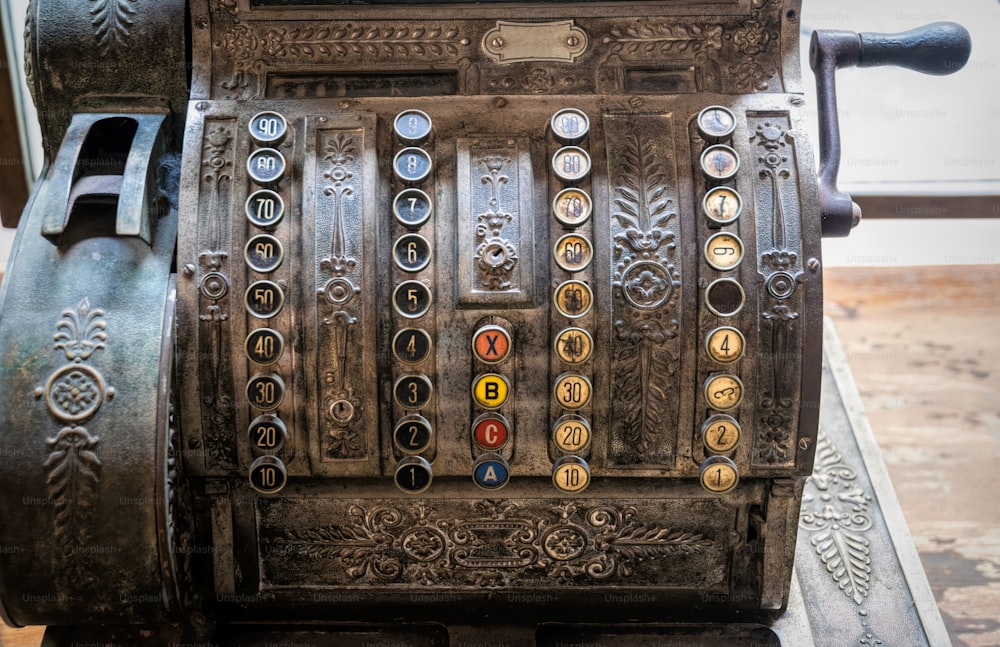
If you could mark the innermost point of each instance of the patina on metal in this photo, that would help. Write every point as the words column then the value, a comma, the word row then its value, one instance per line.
column 481, row 316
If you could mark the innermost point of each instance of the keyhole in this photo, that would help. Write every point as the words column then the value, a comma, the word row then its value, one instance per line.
column 495, row 255
column 342, row 411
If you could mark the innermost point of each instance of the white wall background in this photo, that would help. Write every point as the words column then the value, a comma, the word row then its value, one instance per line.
column 901, row 131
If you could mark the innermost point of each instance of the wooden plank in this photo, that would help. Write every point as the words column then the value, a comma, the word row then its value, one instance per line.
column 923, row 347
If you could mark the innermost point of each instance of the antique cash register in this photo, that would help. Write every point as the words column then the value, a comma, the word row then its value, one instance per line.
column 407, row 320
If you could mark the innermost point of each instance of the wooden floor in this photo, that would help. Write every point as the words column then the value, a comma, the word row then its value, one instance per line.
column 924, row 347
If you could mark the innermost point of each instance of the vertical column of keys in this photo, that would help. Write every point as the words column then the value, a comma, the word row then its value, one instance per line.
column 573, row 298
column 264, row 299
column 412, row 299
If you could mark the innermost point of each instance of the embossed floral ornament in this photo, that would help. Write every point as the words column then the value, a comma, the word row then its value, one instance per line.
column 835, row 511
column 495, row 545
column 80, row 332
column 75, row 392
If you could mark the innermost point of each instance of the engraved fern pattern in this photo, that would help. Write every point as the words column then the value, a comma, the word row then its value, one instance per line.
column 378, row 42
column 650, row 39
column 73, row 475
column 646, row 282
column 112, row 21
column 835, row 509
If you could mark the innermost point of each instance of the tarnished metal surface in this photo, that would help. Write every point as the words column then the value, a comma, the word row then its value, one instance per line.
column 502, row 314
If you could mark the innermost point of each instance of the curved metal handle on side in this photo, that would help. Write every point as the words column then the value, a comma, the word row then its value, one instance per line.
column 939, row 48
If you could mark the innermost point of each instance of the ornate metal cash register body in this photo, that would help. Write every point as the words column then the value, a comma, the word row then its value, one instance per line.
column 445, row 314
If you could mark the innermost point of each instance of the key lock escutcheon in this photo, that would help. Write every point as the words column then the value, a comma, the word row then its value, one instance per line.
column 938, row 48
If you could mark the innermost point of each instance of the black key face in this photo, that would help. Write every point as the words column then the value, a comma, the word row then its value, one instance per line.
column 265, row 391
column 267, row 433
column 411, row 345
column 264, row 299
column 725, row 297
column 412, row 299
column 413, row 475
column 412, row 434
column 268, row 475
column 412, row 164
column 266, row 166
column 412, row 207
column 263, row 253
column 265, row 346
column 411, row 252
column 265, row 208
column 413, row 391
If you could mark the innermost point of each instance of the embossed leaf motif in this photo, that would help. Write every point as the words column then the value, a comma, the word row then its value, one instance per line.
column 640, row 542
column 642, row 378
column 112, row 21
column 642, row 210
column 845, row 556
column 73, row 475
column 356, row 40
column 664, row 38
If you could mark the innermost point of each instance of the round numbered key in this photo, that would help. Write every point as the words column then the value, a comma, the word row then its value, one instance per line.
column 412, row 299
column 266, row 166
column 571, row 434
column 265, row 391
column 572, row 207
column 572, row 391
column 722, row 205
column 413, row 474
column 723, row 391
column 263, row 299
column 412, row 126
column 412, row 207
column 268, row 475
column 573, row 299
column 718, row 474
column 267, row 434
column 720, row 433
column 411, row 345
column 573, row 252
column 413, row 391
column 263, row 253
column 716, row 123
column 574, row 345
column 725, row 344
column 571, row 164
column 571, row 474
column 719, row 162
column 570, row 125
column 268, row 128
column 412, row 434
column 412, row 164
column 264, row 209
column 724, row 251
column 411, row 252
column 265, row 346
